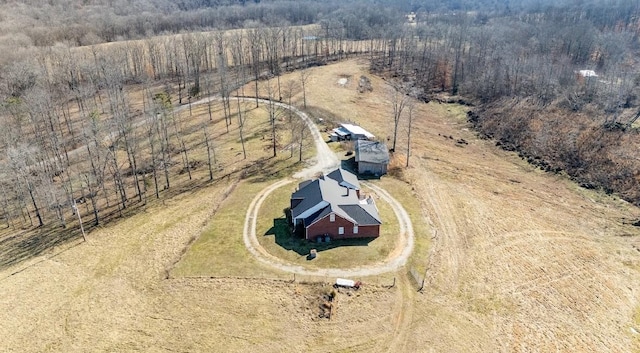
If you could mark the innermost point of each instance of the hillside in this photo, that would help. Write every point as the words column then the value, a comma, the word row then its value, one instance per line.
column 516, row 146
column 520, row 260
column 594, row 155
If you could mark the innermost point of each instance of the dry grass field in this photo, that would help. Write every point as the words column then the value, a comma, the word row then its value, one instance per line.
column 516, row 260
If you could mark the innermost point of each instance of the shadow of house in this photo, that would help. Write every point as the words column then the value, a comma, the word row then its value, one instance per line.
column 281, row 230
column 331, row 207
column 349, row 165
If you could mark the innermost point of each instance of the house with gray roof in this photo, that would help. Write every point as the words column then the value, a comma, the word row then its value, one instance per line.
column 332, row 206
column 371, row 157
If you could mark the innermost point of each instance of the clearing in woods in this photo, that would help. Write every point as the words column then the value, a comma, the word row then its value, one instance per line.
column 518, row 260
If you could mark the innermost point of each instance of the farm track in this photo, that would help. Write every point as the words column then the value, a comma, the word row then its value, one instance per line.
column 449, row 244
column 403, row 314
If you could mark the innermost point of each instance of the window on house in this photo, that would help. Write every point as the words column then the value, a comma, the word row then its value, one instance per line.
column 332, row 217
column 355, row 229
column 340, row 230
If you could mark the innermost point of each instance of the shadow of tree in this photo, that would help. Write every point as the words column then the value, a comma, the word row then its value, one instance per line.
column 28, row 243
column 271, row 169
column 31, row 242
column 20, row 245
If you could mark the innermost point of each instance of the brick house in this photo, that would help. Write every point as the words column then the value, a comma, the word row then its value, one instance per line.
column 332, row 206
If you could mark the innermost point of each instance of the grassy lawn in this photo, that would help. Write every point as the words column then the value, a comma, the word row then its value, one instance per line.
column 274, row 235
column 220, row 250
column 403, row 192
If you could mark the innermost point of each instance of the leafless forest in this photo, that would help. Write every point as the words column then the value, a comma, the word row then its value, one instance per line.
column 89, row 89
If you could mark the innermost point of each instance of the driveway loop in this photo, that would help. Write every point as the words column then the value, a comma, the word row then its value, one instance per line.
column 326, row 160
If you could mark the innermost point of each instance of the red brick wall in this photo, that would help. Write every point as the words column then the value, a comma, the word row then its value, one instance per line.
column 324, row 226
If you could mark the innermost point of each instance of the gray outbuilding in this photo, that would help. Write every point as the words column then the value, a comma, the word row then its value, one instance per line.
column 372, row 157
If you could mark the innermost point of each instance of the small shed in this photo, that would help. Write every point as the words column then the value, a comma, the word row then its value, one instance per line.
column 585, row 76
column 356, row 132
column 339, row 134
column 350, row 132
column 372, row 157
column 347, row 283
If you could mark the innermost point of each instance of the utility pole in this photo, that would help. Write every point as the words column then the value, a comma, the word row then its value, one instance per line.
column 76, row 211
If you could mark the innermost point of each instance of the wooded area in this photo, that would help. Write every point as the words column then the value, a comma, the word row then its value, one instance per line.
column 98, row 124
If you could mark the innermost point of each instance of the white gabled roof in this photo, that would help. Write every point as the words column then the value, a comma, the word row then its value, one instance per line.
column 345, row 282
column 355, row 129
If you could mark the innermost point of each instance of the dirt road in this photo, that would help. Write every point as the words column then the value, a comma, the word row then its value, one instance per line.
column 325, row 158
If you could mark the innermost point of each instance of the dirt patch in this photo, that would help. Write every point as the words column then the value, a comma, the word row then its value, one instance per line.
column 364, row 84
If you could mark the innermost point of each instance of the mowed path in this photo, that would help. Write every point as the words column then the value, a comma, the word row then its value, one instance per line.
column 522, row 261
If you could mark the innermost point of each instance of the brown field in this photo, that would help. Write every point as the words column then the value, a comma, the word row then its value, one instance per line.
column 516, row 260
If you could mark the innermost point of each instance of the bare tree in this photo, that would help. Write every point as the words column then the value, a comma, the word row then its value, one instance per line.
column 163, row 106
column 179, row 133
column 242, row 116
column 210, row 151
column 301, row 128
column 225, row 89
column 398, row 102
column 274, row 114
column 410, row 108
column 94, row 178
column 304, row 79
column 21, row 159
column 289, row 90
column 255, row 39
column 5, row 206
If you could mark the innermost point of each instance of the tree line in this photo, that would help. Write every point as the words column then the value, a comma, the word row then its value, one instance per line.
column 98, row 124
column 74, row 23
column 558, row 84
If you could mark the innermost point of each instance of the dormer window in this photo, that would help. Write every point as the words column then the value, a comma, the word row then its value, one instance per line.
column 332, row 217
